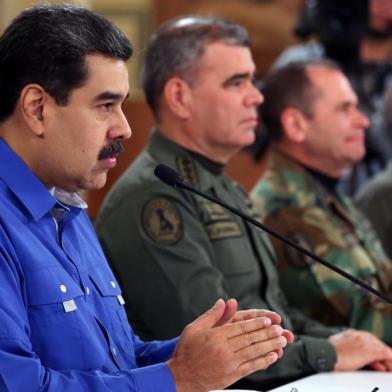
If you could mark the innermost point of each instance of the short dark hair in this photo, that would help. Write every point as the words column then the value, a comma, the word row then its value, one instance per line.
column 47, row 44
column 175, row 48
column 285, row 87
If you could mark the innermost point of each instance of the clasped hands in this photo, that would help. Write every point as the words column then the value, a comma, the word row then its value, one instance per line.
column 224, row 345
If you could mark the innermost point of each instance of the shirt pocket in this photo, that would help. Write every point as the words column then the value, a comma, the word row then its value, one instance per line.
column 62, row 332
column 51, row 293
column 115, row 317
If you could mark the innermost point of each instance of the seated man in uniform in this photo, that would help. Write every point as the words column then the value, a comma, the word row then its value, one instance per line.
column 174, row 252
column 317, row 133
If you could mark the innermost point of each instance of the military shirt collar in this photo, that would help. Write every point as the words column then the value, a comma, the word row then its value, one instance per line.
column 305, row 179
column 191, row 169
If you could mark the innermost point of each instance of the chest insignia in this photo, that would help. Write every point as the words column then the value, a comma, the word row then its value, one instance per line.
column 162, row 221
column 220, row 224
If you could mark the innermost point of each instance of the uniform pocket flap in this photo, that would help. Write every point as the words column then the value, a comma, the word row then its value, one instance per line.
column 105, row 284
column 50, row 285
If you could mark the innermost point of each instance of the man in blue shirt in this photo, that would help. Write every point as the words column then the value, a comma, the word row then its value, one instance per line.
column 63, row 79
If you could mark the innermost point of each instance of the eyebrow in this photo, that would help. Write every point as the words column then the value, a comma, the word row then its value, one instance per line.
column 347, row 104
column 239, row 76
column 107, row 95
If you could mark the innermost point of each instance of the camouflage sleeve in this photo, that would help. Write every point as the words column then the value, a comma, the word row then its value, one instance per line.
column 320, row 293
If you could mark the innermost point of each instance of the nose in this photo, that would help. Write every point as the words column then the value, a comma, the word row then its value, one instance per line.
column 362, row 120
column 254, row 96
column 121, row 128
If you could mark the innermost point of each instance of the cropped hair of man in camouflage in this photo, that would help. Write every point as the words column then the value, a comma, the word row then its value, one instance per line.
column 317, row 133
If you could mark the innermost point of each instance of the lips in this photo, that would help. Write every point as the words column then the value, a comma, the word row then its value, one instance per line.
column 356, row 138
column 108, row 163
column 250, row 121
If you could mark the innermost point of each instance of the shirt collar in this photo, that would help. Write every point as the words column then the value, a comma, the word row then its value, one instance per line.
column 26, row 186
column 166, row 151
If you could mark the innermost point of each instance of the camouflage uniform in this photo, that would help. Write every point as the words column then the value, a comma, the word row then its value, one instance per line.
column 375, row 200
column 176, row 253
column 296, row 204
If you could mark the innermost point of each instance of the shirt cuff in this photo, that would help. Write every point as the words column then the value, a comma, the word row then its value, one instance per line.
column 320, row 354
column 154, row 378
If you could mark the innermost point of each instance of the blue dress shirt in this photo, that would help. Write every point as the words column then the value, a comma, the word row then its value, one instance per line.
column 62, row 320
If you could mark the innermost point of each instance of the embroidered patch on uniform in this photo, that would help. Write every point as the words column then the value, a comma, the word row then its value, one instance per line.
column 223, row 229
column 162, row 221
column 215, row 211
column 294, row 257
column 187, row 169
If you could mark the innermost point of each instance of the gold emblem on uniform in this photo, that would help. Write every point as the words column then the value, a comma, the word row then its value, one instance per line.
column 187, row 169
column 162, row 221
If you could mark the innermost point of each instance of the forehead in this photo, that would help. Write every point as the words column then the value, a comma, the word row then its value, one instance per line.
column 332, row 84
column 105, row 73
column 226, row 59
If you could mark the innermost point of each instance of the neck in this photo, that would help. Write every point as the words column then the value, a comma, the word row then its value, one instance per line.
column 26, row 144
column 189, row 139
column 314, row 163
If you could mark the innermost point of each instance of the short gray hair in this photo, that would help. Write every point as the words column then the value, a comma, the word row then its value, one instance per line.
column 175, row 48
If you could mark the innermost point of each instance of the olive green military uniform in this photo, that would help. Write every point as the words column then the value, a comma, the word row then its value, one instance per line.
column 176, row 253
column 297, row 204
column 375, row 200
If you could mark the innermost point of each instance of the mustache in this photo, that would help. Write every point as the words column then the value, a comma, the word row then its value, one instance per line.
column 110, row 150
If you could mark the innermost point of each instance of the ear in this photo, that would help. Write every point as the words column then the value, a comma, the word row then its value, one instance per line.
column 178, row 95
column 294, row 124
column 32, row 104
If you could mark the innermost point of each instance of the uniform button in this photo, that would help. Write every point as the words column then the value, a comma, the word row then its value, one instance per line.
column 113, row 284
column 321, row 363
column 87, row 290
column 63, row 288
column 114, row 351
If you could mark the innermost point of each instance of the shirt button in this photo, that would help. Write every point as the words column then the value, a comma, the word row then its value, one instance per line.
column 321, row 363
column 114, row 351
column 63, row 288
column 87, row 290
column 113, row 284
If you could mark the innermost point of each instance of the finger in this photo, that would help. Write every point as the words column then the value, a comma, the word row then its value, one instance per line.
column 255, row 364
column 239, row 342
column 279, row 351
column 243, row 315
column 260, row 349
column 230, row 311
column 288, row 335
column 388, row 365
column 243, row 327
column 209, row 318
column 378, row 366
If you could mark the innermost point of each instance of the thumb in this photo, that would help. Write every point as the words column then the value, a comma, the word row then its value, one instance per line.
column 211, row 317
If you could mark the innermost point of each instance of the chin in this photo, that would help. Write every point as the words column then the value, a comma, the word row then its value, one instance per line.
column 95, row 183
column 247, row 140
